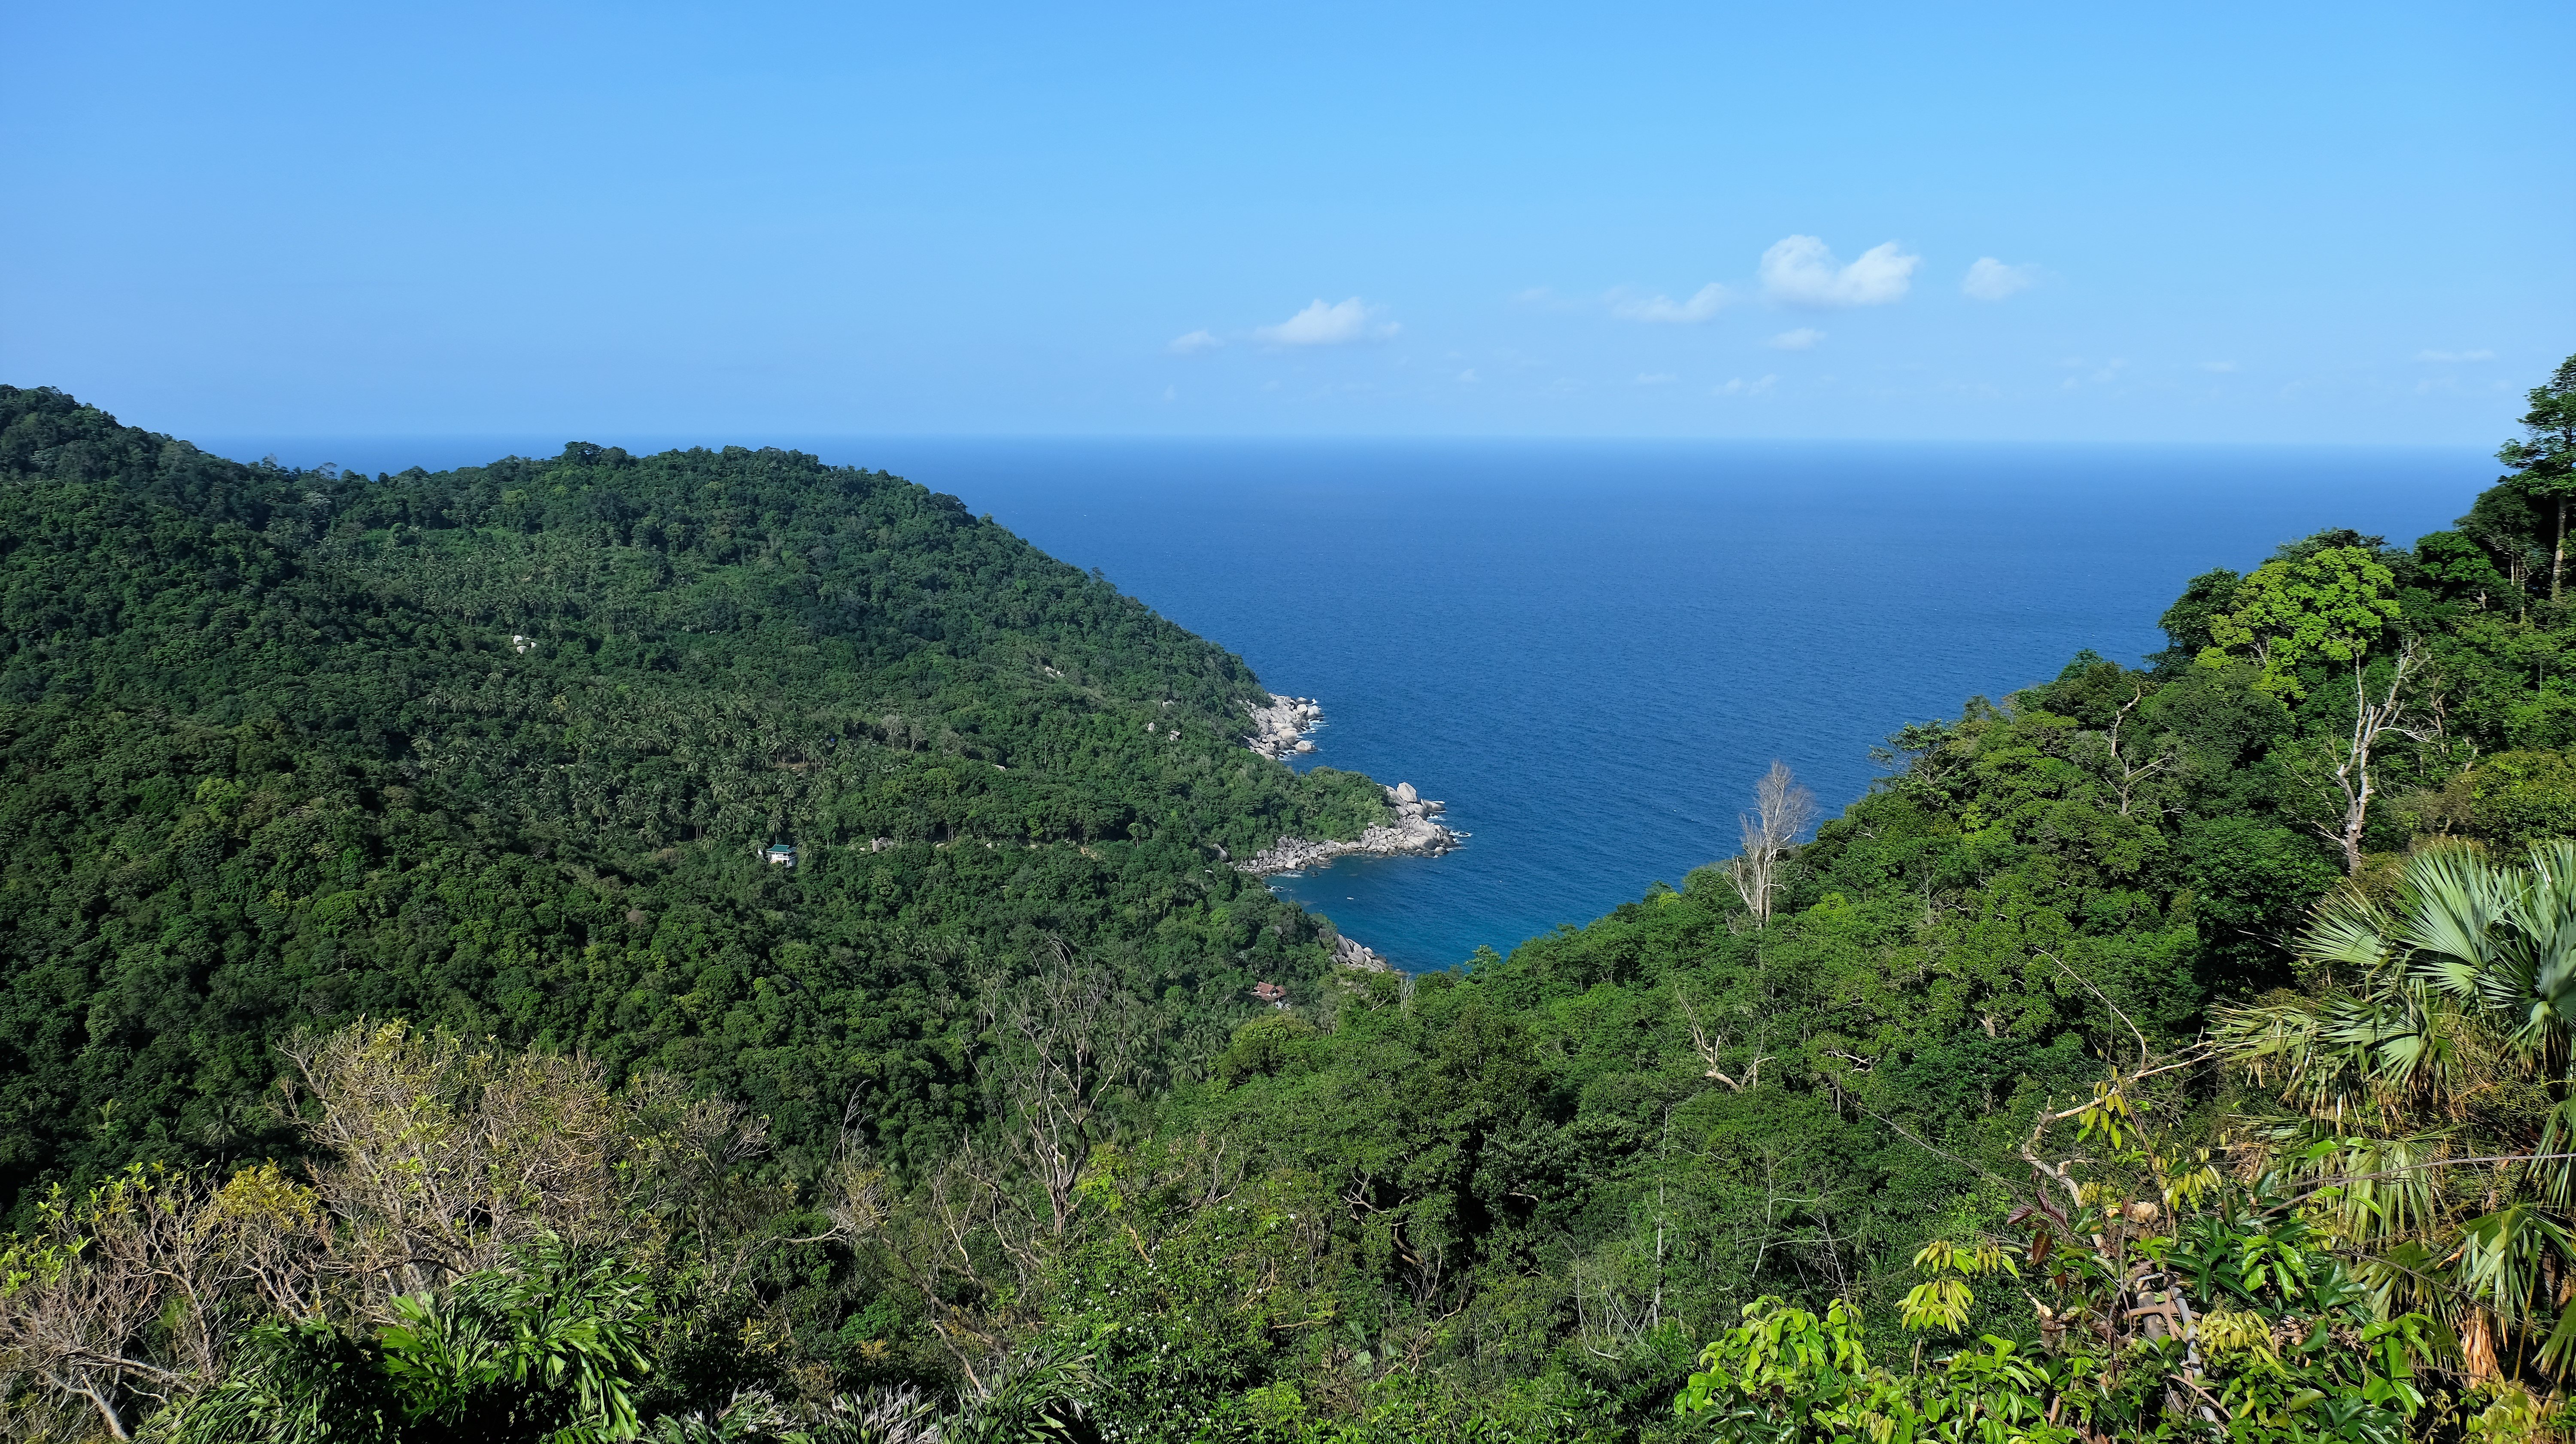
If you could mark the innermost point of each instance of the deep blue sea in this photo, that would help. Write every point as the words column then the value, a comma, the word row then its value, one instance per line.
column 1590, row 649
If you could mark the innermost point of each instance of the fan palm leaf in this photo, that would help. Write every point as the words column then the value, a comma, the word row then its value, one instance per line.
column 2547, row 917
column 2427, row 1089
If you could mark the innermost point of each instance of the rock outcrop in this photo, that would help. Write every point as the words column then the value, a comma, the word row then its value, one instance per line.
column 1412, row 834
column 1348, row 954
column 1279, row 730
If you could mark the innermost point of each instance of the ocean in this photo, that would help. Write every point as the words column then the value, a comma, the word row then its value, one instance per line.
column 1590, row 650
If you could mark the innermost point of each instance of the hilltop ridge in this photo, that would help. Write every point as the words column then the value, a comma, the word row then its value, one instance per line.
column 497, row 747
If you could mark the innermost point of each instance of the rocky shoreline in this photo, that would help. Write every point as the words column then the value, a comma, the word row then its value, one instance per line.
column 1412, row 834
column 1279, row 730
column 1348, row 954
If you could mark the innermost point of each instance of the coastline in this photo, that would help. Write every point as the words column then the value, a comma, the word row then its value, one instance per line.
column 1412, row 834
column 1360, row 956
column 1279, row 732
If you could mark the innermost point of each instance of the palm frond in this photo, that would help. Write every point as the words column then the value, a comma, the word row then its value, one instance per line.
column 2508, row 1257
column 2454, row 906
column 2554, row 1178
column 2424, row 1091
column 2547, row 917
column 2348, row 928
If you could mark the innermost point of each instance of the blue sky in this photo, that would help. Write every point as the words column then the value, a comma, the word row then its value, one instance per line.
column 2352, row 222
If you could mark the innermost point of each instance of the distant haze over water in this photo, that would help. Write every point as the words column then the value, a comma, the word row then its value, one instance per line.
column 1591, row 649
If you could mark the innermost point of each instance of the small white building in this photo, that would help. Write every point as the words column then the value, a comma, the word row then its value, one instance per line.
column 778, row 854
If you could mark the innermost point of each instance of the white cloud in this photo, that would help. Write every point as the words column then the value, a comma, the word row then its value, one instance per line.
column 2108, row 372
column 2455, row 356
column 1322, row 324
column 2219, row 366
column 1704, row 303
column 1741, row 387
column 1194, row 343
column 1991, row 280
column 1656, row 378
column 1802, row 271
column 1469, row 375
column 1802, row 339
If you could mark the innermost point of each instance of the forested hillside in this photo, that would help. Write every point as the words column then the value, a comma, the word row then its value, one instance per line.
column 493, row 749
column 2170, row 1052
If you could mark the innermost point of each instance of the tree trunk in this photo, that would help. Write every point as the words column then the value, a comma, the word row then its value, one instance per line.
column 1782, row 810
column 2558, row 559
column 2371, row 721
column 106, row 1411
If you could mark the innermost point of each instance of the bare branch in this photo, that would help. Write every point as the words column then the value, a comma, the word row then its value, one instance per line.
column 1710, row 1050
column 1781, row 810
column 2372, row 720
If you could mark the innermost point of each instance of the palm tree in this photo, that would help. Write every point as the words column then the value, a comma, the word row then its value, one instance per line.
column 2421, row 1094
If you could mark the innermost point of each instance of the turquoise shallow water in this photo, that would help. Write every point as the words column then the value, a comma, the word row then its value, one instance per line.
column 1590, row 650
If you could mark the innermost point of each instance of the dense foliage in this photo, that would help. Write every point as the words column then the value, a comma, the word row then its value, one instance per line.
column 495, row 749
column 2177, row 1051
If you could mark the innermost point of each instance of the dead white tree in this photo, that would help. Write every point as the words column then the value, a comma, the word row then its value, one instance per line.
column 2131, row 774
column 1781, row 810
column 2372, row 720
column 1712, row 1051
column 1064, row 1047
column 982, row 1235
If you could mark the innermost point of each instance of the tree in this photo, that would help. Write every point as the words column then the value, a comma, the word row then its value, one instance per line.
column 549, row 1346
column 2372, row 719
column 2280, row 1343
column 2427, row 1104
column 443, row 1159
column 79, row 1302
column 133, row 1294
column 2459, row 566
column 1781, row 810
column 2544, row 458
column 1064, row 1044
column 2330, row 604
column 2186, row 622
